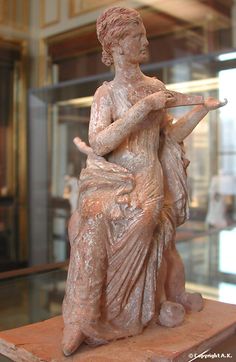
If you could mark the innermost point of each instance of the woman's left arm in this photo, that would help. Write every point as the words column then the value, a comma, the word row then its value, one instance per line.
column 186, row 124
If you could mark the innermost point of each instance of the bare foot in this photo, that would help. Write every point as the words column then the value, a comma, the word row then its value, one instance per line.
column 72, row 339
column 171, row 314
column 191, row 301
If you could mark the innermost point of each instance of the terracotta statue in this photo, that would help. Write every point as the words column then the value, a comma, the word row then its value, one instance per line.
column 124, row 271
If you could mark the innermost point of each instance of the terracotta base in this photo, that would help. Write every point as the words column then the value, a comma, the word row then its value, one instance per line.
column 200, row 331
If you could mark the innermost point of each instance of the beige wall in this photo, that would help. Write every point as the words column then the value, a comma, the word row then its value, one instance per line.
column 37, row 20
column 33, row 21
column 14, row 18
column 57, row 16
column 49, row 18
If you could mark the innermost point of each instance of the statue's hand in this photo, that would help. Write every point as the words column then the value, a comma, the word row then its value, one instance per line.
column 212, row 103
column 82, row 147
column 161, row 99
column 170, row 98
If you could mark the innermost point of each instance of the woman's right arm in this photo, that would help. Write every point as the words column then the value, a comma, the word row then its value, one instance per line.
column 105, row 136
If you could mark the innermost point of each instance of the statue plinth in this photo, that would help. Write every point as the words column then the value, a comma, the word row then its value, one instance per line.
column 200, row 331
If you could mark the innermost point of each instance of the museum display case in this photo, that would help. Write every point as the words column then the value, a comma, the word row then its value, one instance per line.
column 61, row 112
column 192, row 49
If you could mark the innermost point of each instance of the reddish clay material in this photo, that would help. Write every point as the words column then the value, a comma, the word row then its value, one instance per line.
column 124, row 267
column 199, row 332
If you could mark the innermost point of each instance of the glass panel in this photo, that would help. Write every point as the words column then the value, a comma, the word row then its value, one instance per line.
column 68, row 121
column 209, row 265
column 227, row 131
column 68, row 106
column 191, row 51
column 31, row 298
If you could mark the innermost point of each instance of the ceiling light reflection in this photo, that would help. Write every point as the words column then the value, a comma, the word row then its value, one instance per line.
column 227, row 56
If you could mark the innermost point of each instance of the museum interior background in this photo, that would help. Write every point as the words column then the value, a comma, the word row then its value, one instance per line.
column 50, row 66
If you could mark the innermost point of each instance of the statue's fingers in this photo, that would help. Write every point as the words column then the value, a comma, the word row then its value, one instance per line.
column 168, row 93
column 76, row 140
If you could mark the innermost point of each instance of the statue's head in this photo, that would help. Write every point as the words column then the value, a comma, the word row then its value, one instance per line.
column 112, row 26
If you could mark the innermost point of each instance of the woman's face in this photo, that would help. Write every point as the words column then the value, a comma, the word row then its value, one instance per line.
column 134, row 45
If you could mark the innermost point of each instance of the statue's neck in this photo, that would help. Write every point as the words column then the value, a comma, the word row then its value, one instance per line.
column 127, row 73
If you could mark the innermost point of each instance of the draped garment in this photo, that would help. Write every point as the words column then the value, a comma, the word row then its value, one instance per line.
column 111, row 289
column 117, row 244
column 176, row 208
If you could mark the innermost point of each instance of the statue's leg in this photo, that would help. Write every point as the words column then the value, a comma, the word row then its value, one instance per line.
column 175, row 281
column 72, row 338
column 86, row 276
column 175, row 278
column 161, row 277
column 171, row 314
